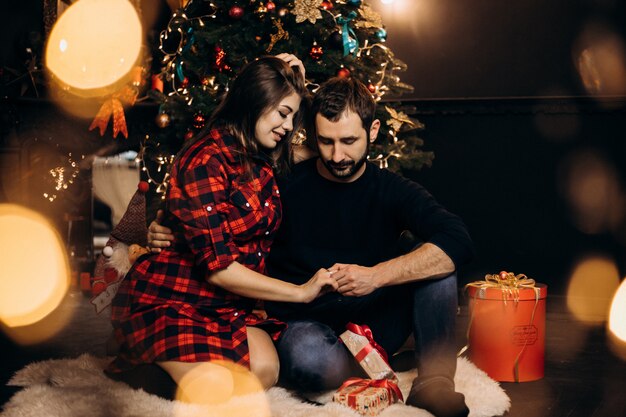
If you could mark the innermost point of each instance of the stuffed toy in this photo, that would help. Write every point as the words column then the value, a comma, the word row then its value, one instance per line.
column 127, row 242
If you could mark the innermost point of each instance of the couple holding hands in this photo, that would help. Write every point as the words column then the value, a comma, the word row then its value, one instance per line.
column 320, row 243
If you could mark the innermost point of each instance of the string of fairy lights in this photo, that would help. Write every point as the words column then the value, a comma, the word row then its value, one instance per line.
column 173, row 66
column 180, row 35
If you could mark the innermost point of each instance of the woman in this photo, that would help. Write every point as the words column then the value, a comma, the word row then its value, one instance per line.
column 192, row 303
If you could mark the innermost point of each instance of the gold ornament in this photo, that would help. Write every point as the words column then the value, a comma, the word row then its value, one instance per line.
column 162, row 120
column 371, row 19
column 307, row 10
column 398, row 119
column 261, row 10
column 281, row 34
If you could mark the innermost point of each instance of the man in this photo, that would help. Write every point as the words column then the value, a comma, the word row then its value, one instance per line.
column 345, row 214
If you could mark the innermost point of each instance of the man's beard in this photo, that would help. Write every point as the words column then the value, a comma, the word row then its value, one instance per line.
column 345, row 169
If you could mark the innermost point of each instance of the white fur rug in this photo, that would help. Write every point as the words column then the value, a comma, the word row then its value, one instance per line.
column 78, row 388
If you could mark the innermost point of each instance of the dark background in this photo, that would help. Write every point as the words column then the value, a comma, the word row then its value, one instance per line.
column 505, row 112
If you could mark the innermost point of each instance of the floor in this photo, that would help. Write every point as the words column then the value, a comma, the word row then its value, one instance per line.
column 583, row 378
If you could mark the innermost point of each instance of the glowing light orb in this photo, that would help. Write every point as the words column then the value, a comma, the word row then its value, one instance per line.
column 224, row 388
column 617, row 314
column 94, row 44
column 590, row 289
column 34, row 276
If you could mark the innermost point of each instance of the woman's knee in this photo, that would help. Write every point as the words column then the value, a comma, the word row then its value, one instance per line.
column 263, row 357
column 312, row 357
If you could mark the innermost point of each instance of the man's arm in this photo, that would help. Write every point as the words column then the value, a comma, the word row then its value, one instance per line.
column 426, row 262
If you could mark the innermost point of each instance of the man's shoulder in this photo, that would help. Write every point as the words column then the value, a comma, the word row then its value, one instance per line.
column 299, row 172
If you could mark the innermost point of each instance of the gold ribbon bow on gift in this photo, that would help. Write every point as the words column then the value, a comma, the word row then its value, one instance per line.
column 510, row 285
column 114, row 107
column 508, row 282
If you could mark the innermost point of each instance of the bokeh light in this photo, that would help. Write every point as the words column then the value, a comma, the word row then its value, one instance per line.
column 617, row 322
column 600, row 56
column 227, row 389
column 35, row 274
column 94, row 45
column 591, row 288
column 593, row 192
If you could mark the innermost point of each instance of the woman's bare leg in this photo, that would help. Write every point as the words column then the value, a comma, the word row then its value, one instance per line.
column 217, row 381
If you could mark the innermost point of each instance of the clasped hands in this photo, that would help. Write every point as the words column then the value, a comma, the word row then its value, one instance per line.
column 352, row 280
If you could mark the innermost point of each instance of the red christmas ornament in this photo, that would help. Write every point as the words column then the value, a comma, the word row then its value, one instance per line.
column 270, row 6
column 157, row 82
column 220, row 59
column 189, row 134
column 503, row 274
column 326, row 5
column 185, row 82
column 316, row 51
column 143, row 186
column 198, row 121
column 235, row 12
column 372, row 87
column 343, row 72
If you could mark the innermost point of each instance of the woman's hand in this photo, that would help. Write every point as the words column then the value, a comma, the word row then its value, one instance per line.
column 293, row 61
column 321, row 283
column 159, row 236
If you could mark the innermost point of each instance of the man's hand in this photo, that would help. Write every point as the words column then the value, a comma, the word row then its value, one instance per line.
column 354, row 280
column 159, row 236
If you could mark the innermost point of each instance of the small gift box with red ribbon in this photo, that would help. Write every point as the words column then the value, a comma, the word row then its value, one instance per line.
column 372, row 357
column 366, row 396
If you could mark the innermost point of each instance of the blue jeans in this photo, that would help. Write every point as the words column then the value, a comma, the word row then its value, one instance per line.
column 313, row 359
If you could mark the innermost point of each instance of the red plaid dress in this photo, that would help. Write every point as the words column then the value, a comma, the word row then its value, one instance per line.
column 165, row 310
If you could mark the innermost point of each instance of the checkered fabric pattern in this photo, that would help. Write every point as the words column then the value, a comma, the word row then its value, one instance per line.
column 165, row 309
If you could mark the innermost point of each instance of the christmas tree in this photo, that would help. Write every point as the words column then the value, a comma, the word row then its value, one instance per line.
column 207, row 42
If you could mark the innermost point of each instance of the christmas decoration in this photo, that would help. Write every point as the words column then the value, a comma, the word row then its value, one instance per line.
column 261, row 10
column 280, row 34
column 127, row 242
column 236, row 12
column 190, row 134
column 316, row 51
column 343, row 73
column 368, row 396
column 198, row 121
column 206, row 43
column 510, row 345
column 162, row 120
column 114, row 107
column 307, row 10
column 370, row 355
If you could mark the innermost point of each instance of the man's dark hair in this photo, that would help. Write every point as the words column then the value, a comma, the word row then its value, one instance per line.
column 337, row 95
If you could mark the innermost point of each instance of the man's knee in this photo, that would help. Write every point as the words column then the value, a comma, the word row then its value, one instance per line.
column 312, row 358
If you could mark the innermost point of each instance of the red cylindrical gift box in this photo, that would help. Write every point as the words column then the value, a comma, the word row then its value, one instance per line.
column 507, row 332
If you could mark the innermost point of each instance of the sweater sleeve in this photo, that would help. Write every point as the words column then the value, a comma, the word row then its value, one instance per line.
column 418, row 211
